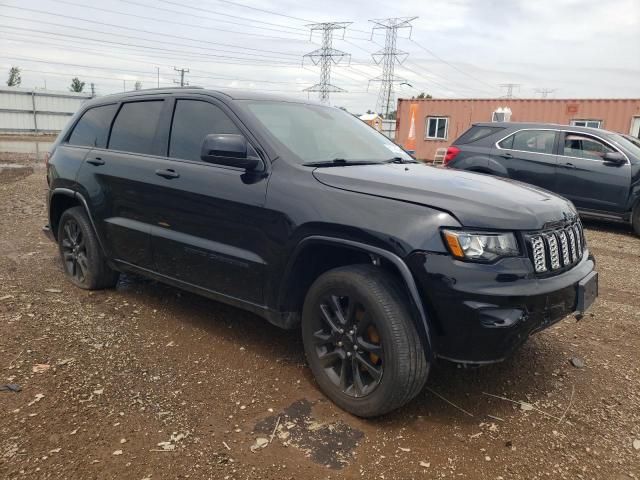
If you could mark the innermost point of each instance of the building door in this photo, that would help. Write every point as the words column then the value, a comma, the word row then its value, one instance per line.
column 635, row 127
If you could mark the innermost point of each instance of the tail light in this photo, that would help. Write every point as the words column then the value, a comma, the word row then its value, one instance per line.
column 452, row 152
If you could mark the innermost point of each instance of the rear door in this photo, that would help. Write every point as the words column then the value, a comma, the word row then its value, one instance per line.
column 529, row 156
column 210, row 228
column 586, row 179
column 121, row 177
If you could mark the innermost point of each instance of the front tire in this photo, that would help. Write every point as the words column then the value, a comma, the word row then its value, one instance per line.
column 635, row 219
column 361, row 342
column 82, row 257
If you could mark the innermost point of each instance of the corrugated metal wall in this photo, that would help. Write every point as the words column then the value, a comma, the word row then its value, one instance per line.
column 37, row 111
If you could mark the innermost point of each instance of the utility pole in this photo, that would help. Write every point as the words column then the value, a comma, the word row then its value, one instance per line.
column 182, row 71
column 158, row 71
column 389, row 56
column 326, row 56
column 544, row 92
column 510, row 87
column 93, row 89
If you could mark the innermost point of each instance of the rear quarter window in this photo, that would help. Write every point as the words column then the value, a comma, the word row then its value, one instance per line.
column 476, row 133
column 92, row 130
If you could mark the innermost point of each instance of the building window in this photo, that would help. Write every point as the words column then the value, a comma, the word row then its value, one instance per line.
column 437, row 128
column 587, row 123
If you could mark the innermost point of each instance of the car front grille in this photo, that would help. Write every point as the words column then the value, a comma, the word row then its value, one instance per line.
column 557, row 249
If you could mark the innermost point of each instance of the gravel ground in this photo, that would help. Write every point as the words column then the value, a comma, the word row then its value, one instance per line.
column 148, row 382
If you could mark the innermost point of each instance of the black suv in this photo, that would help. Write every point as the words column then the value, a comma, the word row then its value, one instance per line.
column 599, row 171
column 307, row 217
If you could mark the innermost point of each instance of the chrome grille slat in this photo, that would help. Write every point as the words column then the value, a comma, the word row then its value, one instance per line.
column 552, row 243
column 566, row 260
column 572, row 244
column 539, row 260
column 559, row 248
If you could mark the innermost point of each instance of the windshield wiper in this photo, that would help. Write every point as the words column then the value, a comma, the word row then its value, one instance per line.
column 339, row 162
column 400, row 160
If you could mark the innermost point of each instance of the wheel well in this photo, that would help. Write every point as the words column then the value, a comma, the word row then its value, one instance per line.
column 60, row 203
column 317, row 259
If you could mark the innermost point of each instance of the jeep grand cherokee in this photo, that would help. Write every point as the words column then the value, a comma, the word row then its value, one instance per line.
column 309, row 218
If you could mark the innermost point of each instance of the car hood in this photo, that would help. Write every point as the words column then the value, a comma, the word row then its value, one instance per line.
column 476, row 200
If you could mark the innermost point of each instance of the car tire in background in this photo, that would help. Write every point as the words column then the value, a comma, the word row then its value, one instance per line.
column 635, row 219
column 361, row 341
column 80, row 252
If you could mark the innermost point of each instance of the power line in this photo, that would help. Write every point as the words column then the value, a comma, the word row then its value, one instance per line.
column 237, row 4
column 389, row 56
column 189, row 7
column 433, row 54
column 191, row 25
column 180, row 53
column 326, row 56
column 148, row 32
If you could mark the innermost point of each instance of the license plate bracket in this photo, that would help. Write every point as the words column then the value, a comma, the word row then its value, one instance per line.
column 587, row 292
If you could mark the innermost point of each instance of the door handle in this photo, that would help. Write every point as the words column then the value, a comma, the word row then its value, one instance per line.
column 569, row 165
column 96, row 161
column 168, row 173
column 506, row 155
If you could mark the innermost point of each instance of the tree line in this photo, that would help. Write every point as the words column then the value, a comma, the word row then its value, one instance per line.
column 15, row 79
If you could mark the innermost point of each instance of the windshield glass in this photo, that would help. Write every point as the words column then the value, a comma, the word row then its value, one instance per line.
column 315, row 133
column 623, row 142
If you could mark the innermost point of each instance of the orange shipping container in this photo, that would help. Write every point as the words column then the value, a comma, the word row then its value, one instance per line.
column 424, row 125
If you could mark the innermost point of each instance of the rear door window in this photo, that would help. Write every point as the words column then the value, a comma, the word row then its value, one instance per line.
column 192, row 121
column 534, row 141
column 92, row 130
column 476, row 133
column 134, row 128
column 582, row 146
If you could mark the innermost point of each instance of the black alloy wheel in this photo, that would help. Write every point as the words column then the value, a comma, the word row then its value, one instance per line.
column 347, row 344
column 74, row 251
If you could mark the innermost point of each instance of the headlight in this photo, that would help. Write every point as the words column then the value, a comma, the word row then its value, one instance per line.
column 483, row 247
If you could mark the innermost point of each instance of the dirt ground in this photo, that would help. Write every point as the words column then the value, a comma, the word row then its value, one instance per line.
column 148, row 382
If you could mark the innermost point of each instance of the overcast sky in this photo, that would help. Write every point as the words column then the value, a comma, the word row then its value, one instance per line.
column 458, row 48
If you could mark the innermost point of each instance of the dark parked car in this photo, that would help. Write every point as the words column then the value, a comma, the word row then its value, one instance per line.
column 598, row 170
column 306, row 216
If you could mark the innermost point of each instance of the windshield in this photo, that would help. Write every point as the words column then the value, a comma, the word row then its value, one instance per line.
column 315, row 133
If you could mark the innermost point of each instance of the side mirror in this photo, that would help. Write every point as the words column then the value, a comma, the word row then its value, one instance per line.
column 614, row 157
column 230, row 150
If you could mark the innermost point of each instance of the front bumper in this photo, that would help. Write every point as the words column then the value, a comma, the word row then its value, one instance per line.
column 481, row 313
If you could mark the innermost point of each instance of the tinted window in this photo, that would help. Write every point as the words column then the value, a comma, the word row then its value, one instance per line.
column 135, row 127
column 92, row 130
column 477, row 133
column 584, row 147
column 536, row 141
column 507, row 142
column 192, row 121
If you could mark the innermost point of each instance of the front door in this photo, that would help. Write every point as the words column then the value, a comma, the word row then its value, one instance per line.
column 586, row 179
column 210, row 224
column 529, row 156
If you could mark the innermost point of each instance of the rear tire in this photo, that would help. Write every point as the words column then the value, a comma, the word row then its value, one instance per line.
column 361, row 341
column 635, row 219
column 81, row 254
